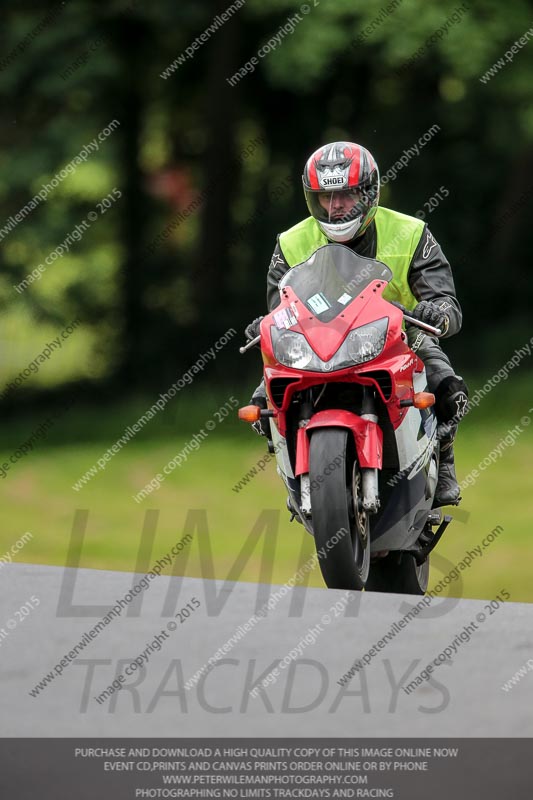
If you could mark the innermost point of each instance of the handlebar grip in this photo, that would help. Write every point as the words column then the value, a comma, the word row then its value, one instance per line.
column 423, row 325
column 408, row 318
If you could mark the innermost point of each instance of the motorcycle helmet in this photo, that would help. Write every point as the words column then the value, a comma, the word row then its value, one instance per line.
column 341, row 187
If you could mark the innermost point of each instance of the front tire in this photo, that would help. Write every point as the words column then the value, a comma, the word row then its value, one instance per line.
column 336, row 506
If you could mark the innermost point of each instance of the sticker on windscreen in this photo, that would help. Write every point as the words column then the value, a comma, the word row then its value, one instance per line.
column 344, row 298
column 318, row 303
column 284, row 318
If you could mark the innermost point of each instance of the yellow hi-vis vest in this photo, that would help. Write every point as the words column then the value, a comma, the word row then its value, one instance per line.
column 398, row 236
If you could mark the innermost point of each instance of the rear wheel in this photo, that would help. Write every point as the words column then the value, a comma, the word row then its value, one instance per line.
column 340, row 525
column 398, row 572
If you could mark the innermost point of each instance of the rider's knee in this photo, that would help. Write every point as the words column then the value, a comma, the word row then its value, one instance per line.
column 451, row 399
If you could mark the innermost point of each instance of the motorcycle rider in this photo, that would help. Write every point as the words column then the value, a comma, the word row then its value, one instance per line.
column 341, row 187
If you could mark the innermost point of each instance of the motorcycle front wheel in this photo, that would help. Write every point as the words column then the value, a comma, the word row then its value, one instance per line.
column 341, row 527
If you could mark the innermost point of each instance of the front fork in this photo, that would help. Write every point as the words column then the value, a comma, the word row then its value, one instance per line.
column 370, row 500
column 370, row 488
column 302, row 455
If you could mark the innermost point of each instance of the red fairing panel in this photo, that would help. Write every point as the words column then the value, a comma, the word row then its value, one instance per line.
column 302, row 452
column 367, row 434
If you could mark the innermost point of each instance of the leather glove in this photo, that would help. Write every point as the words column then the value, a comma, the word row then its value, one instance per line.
column 252, row 330
column 432, row 314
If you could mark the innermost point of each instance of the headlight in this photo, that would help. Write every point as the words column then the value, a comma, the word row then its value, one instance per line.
column 366, row 343
column 361, row 345
column 292, row 350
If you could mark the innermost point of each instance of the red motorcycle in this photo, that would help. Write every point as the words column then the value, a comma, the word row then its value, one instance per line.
column 352, row 423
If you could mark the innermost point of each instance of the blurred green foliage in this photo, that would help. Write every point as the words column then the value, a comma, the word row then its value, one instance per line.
column 342, row 71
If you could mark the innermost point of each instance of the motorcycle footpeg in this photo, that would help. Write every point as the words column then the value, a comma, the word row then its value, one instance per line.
column 292, row 512
column 421, row 554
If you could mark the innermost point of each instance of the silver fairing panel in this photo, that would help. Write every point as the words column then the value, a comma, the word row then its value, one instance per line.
column 402, row 518
column 414, row 435
column 285, row 472
column 407, row 495
column 282, row 454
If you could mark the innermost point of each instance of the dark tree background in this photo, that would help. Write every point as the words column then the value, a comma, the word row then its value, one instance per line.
column 210, row 173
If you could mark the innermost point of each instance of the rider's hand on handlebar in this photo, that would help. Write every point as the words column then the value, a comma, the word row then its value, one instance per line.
column 252, row 330
column 431, row 314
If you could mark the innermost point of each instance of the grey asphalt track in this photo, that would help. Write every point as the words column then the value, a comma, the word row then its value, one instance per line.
column 464, row 697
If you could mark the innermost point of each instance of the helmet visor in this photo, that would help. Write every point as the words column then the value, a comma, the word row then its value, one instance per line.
column 340, row 206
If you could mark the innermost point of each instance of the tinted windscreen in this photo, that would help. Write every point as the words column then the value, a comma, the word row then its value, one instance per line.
column 331, row 278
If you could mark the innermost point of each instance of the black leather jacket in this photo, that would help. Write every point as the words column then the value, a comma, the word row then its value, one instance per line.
column 430, row 274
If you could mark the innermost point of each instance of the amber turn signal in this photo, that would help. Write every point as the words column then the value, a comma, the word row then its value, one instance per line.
column 250, row 413
column 423, row 399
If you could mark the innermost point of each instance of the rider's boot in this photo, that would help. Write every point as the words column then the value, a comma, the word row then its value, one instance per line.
column 447, row 492
column 451, row 407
